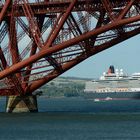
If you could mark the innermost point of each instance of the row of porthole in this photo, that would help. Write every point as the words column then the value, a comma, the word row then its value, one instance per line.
column 117, row 90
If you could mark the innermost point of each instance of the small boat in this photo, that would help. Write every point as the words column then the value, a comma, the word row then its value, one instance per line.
column 108, row 98
column 96, row 100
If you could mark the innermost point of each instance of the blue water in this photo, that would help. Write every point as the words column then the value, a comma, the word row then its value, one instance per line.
column 73, row 119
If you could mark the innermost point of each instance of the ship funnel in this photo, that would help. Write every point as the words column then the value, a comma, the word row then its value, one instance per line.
column 111, row 69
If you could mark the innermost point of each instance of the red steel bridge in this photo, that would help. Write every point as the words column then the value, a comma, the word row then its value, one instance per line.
column 41, row 39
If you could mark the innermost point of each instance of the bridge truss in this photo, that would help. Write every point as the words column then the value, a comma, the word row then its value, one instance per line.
column 41, row 39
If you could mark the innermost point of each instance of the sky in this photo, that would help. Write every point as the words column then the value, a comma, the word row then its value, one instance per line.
column 125, row 55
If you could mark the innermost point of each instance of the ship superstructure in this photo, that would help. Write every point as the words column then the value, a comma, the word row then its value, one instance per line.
column 114, row 83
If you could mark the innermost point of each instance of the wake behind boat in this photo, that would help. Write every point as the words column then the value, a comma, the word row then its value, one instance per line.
column 114, row 84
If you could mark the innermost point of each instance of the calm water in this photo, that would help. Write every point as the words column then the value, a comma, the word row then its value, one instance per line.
column 73, row 119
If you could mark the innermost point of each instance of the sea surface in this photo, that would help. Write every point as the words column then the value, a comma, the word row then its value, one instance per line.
column 73, row 119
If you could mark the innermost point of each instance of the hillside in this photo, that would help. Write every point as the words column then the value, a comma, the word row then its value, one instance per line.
column 64, row 86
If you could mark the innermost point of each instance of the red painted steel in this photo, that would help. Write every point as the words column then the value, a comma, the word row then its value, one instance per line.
column 4, row 9
column 40, row 39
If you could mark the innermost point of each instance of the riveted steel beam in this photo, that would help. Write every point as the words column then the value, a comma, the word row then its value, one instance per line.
column 48, row 51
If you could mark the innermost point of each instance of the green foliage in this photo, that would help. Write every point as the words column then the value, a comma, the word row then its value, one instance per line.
column 67, row 89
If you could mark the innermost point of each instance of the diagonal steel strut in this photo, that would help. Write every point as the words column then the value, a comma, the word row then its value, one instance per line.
column 48, row 51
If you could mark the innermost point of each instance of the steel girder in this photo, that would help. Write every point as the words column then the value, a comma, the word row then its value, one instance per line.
column 43, row 39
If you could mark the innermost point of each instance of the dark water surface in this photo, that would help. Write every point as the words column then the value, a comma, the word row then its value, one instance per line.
column 73, row 119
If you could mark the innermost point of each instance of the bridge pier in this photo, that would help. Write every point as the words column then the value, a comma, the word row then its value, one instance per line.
column 19, row 104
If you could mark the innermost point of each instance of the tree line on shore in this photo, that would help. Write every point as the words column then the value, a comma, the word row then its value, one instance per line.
column 68, row 89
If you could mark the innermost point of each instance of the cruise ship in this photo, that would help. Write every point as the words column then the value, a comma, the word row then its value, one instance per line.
column 114, row 85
